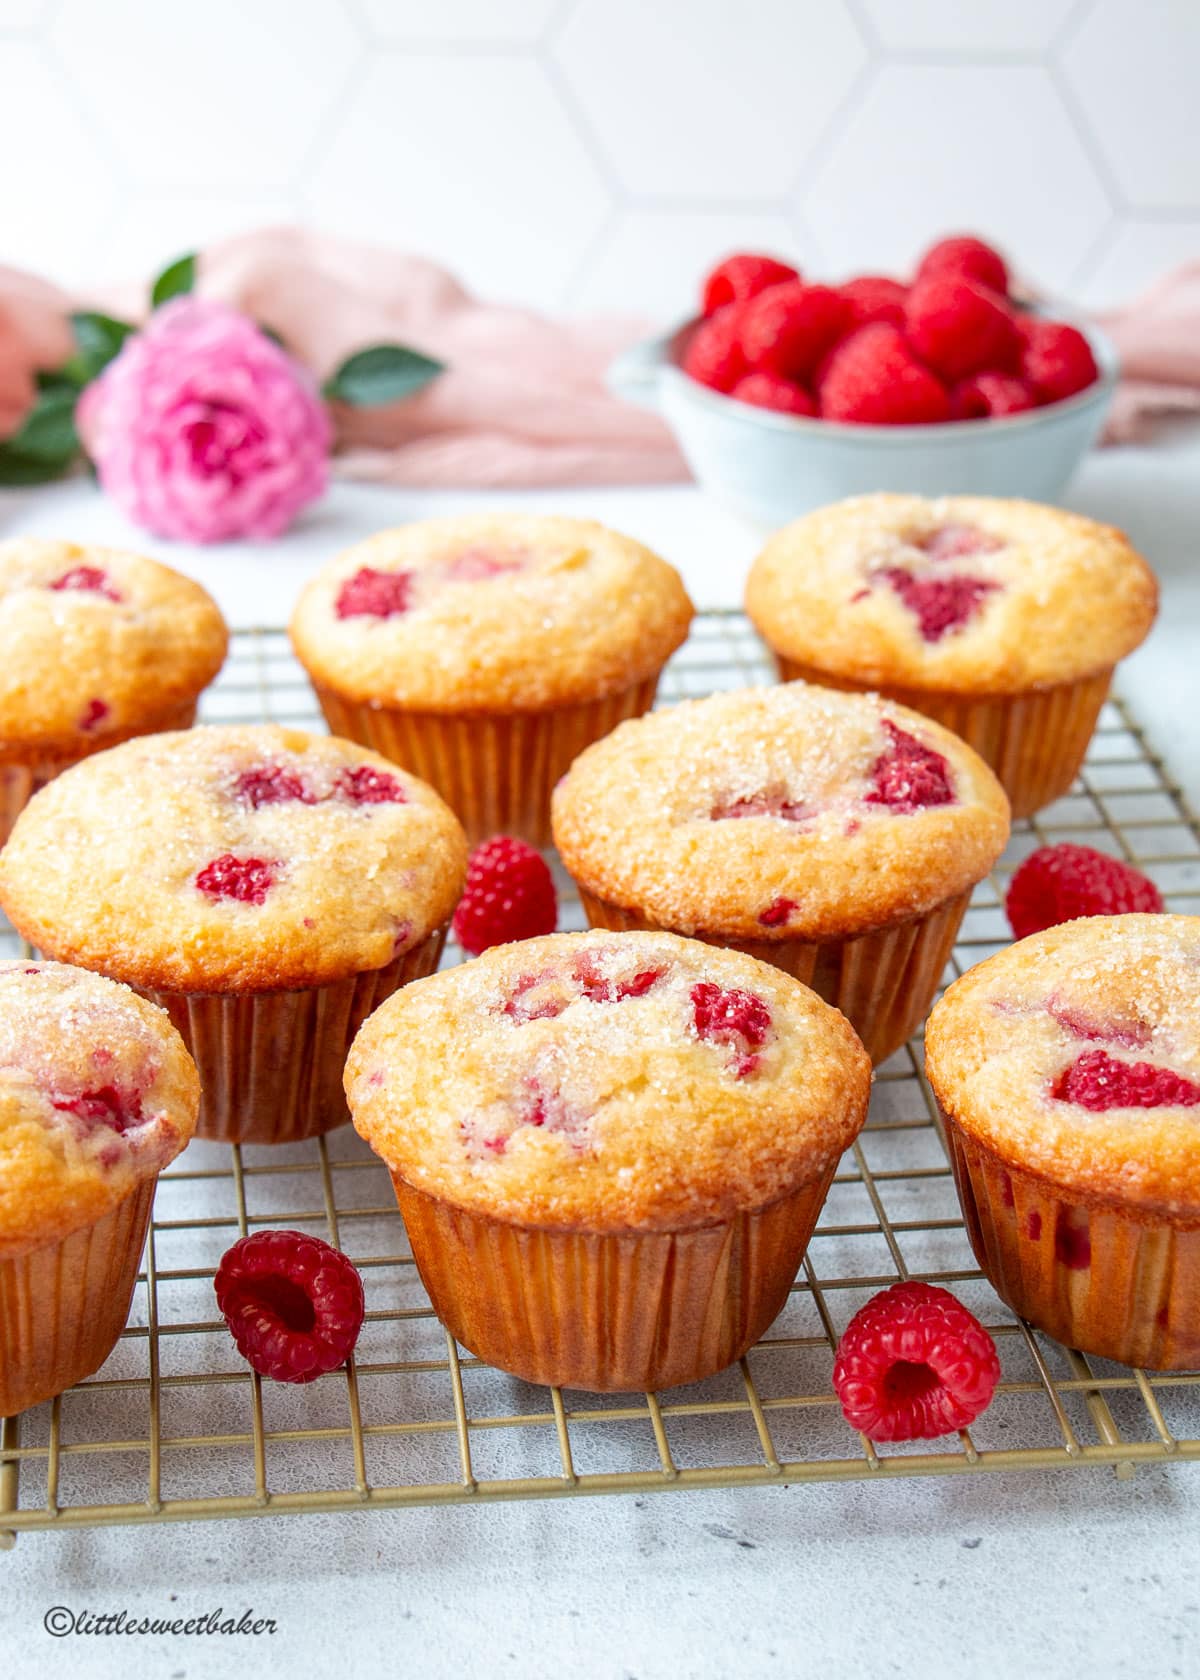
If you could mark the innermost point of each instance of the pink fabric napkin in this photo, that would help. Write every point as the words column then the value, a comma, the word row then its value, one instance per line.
column 524, row 401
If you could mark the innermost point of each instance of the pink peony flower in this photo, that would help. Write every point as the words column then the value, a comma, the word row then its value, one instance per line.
column 203, row 428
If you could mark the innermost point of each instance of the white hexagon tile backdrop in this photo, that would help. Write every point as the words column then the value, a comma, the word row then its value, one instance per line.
column 578, row 154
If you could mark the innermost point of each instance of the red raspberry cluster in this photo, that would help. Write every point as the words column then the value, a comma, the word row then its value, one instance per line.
column 948, row 345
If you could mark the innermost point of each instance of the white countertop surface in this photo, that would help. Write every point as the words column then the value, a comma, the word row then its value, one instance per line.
column 962, row 1577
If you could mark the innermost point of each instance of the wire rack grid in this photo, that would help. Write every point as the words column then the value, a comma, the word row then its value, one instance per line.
column 175, row 1427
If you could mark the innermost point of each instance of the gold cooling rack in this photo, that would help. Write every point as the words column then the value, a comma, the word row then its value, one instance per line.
column 175, row 1427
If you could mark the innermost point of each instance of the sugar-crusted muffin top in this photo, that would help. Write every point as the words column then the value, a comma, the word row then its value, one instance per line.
column 964, row 593
column 1076, row 1054
column 608, row 1081
column 793, row 812
column 95, row 643
column 96, row 1094
column 240, row 857
column 490, row 611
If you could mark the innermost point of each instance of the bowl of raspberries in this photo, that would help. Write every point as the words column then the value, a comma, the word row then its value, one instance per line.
column 787, row 393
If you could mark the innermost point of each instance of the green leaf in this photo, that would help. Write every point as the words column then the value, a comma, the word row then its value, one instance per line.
column 98, row 339
column 48, row 433
column 175, row 280
column 16, row 470
column 381, row 374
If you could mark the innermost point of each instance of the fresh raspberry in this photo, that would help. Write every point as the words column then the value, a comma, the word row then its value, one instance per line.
column 968, row 257
column 909, row 776
column 874, row 378
column 1059, row 883
column 914, row 1364
column 92, row 580
column 271, row 784
column 114, row 1110
column 293, row 1304
column 1098, row 1081
column 874, row 297
column 989, row 395
column 787, row 329
column 93, row 714
column 245, row 880
column 1056, row 359
column 952, row 542
column 365, row 785
column 509, row 895
column 374, row 594
column 731, row 1017
column 939, row 604
column 762, row 805
column 714, row 353
column 768, row 390
column 741, row 277
column 959, row 327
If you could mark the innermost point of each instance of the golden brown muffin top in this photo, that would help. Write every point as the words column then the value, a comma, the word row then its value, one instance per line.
column 1076, row 1055
column 97, row 1093
column 609, row 1081
column 491, row 612
column 234, row 858
column 963, row 594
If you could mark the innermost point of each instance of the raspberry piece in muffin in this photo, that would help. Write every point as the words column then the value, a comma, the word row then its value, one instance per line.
column 1098, row 1082
column 270, row 784
column 94, row 714
column 366, row 784
column 92, row 580
column 939, row 604
column 736, row 1018
column 244, row 880
column 909, row 776
column 370, row 593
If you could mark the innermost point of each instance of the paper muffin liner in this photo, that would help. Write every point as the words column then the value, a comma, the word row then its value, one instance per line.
column 1093, row 1274
column 271, row 1062
column 63, row 1307
column 1036, row 742
column 19, row 782
column 496, row 770
column 882, row 981
column 611, row 1311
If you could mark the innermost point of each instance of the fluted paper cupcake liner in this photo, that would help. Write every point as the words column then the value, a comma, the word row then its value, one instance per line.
column 271, row 1062
column 609, row 1311
column 63, row 1307
column 883, row 982
column 1035, row 742
column 496, row 770
column 1094, row 1275
column 19, row 782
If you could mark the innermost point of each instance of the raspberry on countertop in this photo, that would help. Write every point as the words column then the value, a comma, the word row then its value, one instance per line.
column 494, row 612
column 97, row 1093
column 961, row 594
column 608, row 1080
column 1075, row 1055
column 230, row 858
column 788, row 812
column 95, row 644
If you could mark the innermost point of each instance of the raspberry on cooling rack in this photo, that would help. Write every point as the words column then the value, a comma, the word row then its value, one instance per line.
column 609, row 1149
column 914, row 1364
column 1060, row 883
column 293, row 1304
column 1067, row 1069
column 1004, row 620
column 509, row 894
column 832, row 834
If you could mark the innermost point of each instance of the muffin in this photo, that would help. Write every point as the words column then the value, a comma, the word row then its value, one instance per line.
column 1001, row 619
column 97, row 1095
column 837, row 836
column 610, row 1150
column 1068, row 1072
column 269, row 888
column 95, row 646
column 485, row 652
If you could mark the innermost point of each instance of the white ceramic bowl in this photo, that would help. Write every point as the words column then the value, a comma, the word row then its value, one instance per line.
column 772, row 467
